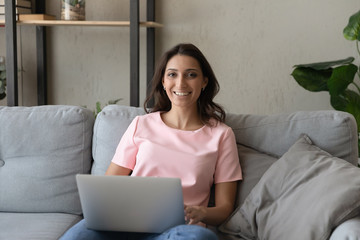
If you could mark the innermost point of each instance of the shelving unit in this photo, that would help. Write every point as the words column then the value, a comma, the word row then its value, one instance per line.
column 49, row 23
column 134, row 24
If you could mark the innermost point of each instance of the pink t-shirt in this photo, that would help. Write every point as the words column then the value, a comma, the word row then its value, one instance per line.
column 199, row 158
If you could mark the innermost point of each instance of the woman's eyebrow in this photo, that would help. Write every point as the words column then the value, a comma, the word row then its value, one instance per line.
column 189, row 69
column 172, row 69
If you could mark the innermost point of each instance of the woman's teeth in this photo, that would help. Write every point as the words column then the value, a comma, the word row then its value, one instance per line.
column 182, row 93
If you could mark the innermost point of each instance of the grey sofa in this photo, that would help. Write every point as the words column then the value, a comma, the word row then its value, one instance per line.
column 43, row 148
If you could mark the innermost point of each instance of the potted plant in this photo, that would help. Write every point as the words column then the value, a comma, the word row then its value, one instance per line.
column 2, row 78
column 98, row 107
column 336, row 77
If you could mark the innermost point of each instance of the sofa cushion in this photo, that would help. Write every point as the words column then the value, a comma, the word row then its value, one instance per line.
column 35, row 226
column 43, row 148
column 304, row 195
column 333, row 131
column 110, row 125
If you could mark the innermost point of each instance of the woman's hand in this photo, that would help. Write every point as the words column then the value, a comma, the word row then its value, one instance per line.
column 225, row 194
column 194, row 214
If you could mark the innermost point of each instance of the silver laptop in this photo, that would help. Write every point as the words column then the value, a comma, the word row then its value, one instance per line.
column 131, row 204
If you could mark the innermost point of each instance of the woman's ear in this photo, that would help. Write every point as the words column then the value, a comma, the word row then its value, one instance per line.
column 205, row 82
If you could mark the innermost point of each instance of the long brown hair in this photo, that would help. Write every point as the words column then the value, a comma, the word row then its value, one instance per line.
column 206, row 107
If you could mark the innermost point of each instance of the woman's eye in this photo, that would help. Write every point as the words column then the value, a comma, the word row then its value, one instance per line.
column 171, row 74
column 191, row 75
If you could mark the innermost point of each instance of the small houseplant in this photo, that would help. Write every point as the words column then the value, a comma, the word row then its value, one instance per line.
column 336, row 77
column 2, row 78
column 98, row 107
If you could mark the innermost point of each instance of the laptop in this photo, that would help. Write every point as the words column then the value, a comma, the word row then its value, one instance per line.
column 131, row 204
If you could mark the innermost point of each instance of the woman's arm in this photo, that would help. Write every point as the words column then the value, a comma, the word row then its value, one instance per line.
column 225, row 194
column 115, row 169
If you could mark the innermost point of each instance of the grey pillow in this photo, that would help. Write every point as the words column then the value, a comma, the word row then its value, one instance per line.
column 43, row 148
column 304, row 195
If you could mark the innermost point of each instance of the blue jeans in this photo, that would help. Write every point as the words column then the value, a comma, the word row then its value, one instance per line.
column 181, row 232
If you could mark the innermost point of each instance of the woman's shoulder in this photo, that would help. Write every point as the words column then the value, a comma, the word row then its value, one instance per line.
column 219, row 128
column 213, row 123
column 149, row 118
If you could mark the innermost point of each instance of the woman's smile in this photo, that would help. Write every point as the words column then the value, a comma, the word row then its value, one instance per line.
column 183, row 81
column 182, row 93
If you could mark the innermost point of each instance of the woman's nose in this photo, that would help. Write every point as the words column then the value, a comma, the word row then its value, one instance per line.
column 181, row 81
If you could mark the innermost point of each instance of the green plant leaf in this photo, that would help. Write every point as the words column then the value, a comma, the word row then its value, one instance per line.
column 351, row 31
column 338, row 102
column 353, row 106
column 98, row 107
column 312, row 80
column 347, row 101
column 114, row 101
column 326, row 65
column 2, row 67
column 340, row 78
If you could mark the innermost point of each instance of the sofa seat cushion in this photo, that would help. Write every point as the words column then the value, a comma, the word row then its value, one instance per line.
column 42, row 149
column 35, row 226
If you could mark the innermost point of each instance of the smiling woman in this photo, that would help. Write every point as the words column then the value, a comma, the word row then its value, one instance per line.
column 185, row 65
column 184, row 136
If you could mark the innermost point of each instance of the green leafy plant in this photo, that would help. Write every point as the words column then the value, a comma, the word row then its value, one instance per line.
column 98, row 107
column 336, row 77
column 2, row 78
column 75, row 2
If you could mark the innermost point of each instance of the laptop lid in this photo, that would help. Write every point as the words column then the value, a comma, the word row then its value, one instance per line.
column 131, row 204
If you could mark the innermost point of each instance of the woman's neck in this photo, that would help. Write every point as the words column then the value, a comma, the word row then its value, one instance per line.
column 182, row 119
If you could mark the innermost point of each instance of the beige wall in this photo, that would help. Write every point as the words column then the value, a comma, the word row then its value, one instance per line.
column 252, row 46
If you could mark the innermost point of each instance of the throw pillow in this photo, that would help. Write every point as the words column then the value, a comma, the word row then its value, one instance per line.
column 304, row 195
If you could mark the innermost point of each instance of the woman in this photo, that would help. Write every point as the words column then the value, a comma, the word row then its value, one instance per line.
column 182, row 136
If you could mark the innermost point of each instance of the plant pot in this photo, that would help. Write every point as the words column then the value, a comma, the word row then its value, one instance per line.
column 73, row 10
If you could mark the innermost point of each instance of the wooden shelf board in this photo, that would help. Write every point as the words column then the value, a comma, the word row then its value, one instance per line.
column 83, row 23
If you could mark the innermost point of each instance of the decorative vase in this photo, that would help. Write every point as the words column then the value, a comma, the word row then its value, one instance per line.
column 73, row 10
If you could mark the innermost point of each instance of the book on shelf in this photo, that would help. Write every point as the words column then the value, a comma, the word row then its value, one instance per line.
column 19, row 10
column 27, row 17
column 19, row 3
column 24, row 17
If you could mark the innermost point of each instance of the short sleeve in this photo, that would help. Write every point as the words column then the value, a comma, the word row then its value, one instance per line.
column 126, row 151
column 227, row 166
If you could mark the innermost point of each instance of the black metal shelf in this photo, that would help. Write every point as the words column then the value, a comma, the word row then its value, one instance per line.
column 134, row 24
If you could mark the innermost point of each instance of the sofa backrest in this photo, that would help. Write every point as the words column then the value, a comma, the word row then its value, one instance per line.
column 261, row 139
column 41, row 151
column 332, row 131
column 110, row 125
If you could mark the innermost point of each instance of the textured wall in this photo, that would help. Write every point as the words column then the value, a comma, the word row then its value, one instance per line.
column 252, row 46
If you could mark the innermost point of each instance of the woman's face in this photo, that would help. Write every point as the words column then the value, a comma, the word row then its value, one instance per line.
column 183, row 81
